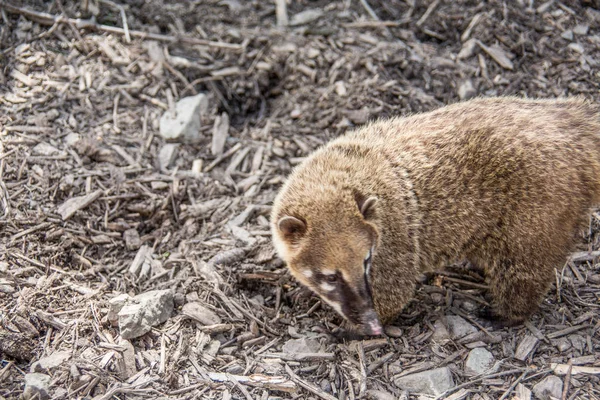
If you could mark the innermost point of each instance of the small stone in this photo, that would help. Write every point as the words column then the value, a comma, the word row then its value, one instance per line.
column 522, row 392
column 36, row 386
column 306, row 17
column 466, row 90
column 312, row 53
column 562, row 344
column 440, row 334
column 576, row 47
column 379, row 395
column 467, row 50
column 568, row 34
column 114, row 306
column 145, row 311
column 302, row 345
column 433, row 382
column 50, row 362
column 459, row 327
column 132, row 239
column 296, row 113
column 166, row 155
column 127, row 363
column 197, row 166
column 393, row 331
column 479, row 361
column 581, row 29
column 200, row 313
column 551, row 386
column 185, row 124
column 44, row 149
column 71, row 139
column 340, row 89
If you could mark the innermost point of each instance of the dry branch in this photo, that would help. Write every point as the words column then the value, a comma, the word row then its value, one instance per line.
column 49, row 19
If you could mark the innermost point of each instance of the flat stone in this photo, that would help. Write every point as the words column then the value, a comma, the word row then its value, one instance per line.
column 302, row 345
column 45, row 149
column 144, row 311
column 166, row 155
column 576, row 47
column 551, row 386
column 36, row 386
column 184, row 126
column 200, row 313
column 459, row 327
column 568, row 35
column 581, row 29
column 132, row 239
column 48, row 363
column 466, row 90
column 114, row 306
column 306, row 17
column 433, row 382
column 479, row 361
column 440, row 334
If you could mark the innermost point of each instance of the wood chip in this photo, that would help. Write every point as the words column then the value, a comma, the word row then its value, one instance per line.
column 71, row 206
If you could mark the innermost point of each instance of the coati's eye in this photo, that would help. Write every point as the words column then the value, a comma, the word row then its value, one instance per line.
column 331, row 278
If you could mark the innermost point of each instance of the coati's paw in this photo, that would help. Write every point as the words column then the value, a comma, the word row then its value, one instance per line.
column 491, row 319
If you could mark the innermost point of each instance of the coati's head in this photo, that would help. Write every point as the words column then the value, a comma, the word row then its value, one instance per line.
column 329, row 245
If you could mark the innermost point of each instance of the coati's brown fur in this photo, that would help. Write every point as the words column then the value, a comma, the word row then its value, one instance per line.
column 502, row 182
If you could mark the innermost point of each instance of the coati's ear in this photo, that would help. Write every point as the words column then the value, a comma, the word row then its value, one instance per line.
column 366, row 205
column 291, row 227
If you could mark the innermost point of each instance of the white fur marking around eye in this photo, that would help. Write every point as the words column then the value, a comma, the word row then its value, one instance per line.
column 328, row 287
column 328, row 272
column 307, row 273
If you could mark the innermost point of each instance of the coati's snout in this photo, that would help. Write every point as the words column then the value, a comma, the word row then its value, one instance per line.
column 335, row 261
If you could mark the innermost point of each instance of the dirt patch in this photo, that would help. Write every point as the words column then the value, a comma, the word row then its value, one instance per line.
column 80, row 110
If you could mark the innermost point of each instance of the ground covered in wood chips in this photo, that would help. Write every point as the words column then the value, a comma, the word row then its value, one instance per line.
column 95, row 204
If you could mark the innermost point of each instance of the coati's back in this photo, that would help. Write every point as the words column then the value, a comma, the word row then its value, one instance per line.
column 483, row 178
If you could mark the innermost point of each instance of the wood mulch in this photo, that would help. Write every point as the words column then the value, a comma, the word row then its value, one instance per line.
column 84, row 193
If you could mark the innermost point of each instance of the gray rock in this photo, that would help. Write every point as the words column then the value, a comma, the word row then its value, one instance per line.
column 440, row 334
column 433, row 382
column 581, row 29
column 184, row 126
column 44, row 149
column 145, row 311
column 198, row 312
column 302, row 345
column 479, row 361
column 459, row 327
column 166, row 155
column 576, row 47
column 551, row 386
column 567, row 35
column 466, row 90
column 114, row 306
column 132, row 239
column 306, row 17
column 50, row 362
column 36, row 386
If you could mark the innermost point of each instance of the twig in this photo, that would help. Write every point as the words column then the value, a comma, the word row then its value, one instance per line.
column 514, row 385
column 567, row 381
column 317, row 392
column 281, row 12
column 467, row 384
column 428, row 12
column 123, row 17
column 36, row 228
column 49, row 19
column 369, row 10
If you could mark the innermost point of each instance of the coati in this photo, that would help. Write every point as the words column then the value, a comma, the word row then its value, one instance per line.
column 502, row 182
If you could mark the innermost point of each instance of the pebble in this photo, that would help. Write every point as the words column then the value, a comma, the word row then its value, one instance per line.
column 44, row 149
column 144, row 311
column 551, row 386
column 200, row 313
column 114, row 306
column 37, row 386
column 466, row 90
column 302, row 345
column 306, row 17
column 50, row 362
column 581, row 29
column 166, row 155
column 433, row 382
column 576, row 47
column 479, row 361
column 132, row 239
column 185, row 124
column 393, row 331
column 440, row 334
column 459, row 327
column 568, row 35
